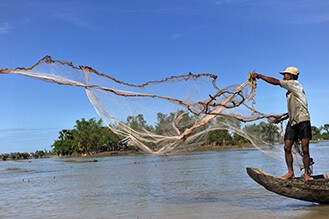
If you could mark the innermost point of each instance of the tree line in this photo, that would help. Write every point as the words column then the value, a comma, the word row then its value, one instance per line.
column 24, row 155
column 87, row 136
column 321, row 133
column 91, row 136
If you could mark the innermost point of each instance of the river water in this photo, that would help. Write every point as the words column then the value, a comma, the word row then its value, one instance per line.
column 194, row 185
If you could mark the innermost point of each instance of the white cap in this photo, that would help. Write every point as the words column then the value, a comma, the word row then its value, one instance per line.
column 290, row 70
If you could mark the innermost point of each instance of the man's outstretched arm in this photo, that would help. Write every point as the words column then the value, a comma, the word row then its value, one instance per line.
column 270, row 80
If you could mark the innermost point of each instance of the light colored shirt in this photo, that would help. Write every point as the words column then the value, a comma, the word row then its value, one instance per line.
column 296, row 101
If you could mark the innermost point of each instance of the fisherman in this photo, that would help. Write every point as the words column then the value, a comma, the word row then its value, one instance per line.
column 299, row 125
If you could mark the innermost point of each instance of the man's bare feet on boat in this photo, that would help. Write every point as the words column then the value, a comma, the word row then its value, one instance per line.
column 288, row 176
column 307, row 177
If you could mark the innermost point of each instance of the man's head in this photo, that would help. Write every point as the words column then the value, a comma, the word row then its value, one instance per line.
column 291, row 73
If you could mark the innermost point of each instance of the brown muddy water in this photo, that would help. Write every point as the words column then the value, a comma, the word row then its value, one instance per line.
column 195, row 185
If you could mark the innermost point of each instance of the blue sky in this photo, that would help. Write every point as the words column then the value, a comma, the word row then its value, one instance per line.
column 138, row 41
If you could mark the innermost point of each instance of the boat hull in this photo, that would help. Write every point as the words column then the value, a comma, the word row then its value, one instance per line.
column 316, row 190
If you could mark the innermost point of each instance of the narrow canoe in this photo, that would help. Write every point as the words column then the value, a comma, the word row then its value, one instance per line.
column 316, row 190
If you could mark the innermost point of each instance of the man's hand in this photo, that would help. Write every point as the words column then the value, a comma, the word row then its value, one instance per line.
column 278, row 119
column 255, row 75
column 252, row 76
column 268, row 79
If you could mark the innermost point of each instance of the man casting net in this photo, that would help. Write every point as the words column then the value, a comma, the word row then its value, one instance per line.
column 160, row 116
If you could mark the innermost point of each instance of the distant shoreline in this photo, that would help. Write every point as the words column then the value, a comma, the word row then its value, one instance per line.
column 136, row 152
column 131, row 152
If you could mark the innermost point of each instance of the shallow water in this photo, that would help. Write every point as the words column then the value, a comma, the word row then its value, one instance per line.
column 194, row 185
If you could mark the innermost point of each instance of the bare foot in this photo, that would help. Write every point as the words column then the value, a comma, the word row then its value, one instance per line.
column 288, row 176
column 307, row 177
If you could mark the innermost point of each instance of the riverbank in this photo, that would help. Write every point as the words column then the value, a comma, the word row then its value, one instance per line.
column 19, row 155
column 135, row 152
column 202, row 148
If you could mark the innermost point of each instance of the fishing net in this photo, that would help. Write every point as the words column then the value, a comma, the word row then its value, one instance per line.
column 161, row 116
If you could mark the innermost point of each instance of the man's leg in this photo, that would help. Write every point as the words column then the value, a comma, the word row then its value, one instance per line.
column 289, row 160
column 306, row 158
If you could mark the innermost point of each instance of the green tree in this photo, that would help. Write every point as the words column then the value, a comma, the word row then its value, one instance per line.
column 219, row 137
column 239, row 140
column 39, row 154
column 182, row 120
column 65, row 145
column 163, row 124
column 223, row 135
column 252, row 129
column 25, row 155
column 315, row 131
column 325, row 127
column 4, row 157
column 109, row 140
column 138, row 123
column 166, row 124
column 269, row 132
column 87, row 135
column 263, row 132
column 14, row 156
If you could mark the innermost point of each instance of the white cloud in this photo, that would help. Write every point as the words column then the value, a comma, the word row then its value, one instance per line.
column 6, row 28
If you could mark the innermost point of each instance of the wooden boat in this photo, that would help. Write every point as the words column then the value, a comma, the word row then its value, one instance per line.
column 316, row 190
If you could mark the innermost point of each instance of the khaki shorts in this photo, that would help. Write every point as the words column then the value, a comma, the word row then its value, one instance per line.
column 299, row 131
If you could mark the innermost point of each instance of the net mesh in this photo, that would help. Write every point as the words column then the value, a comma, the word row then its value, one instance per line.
column 161, row 116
